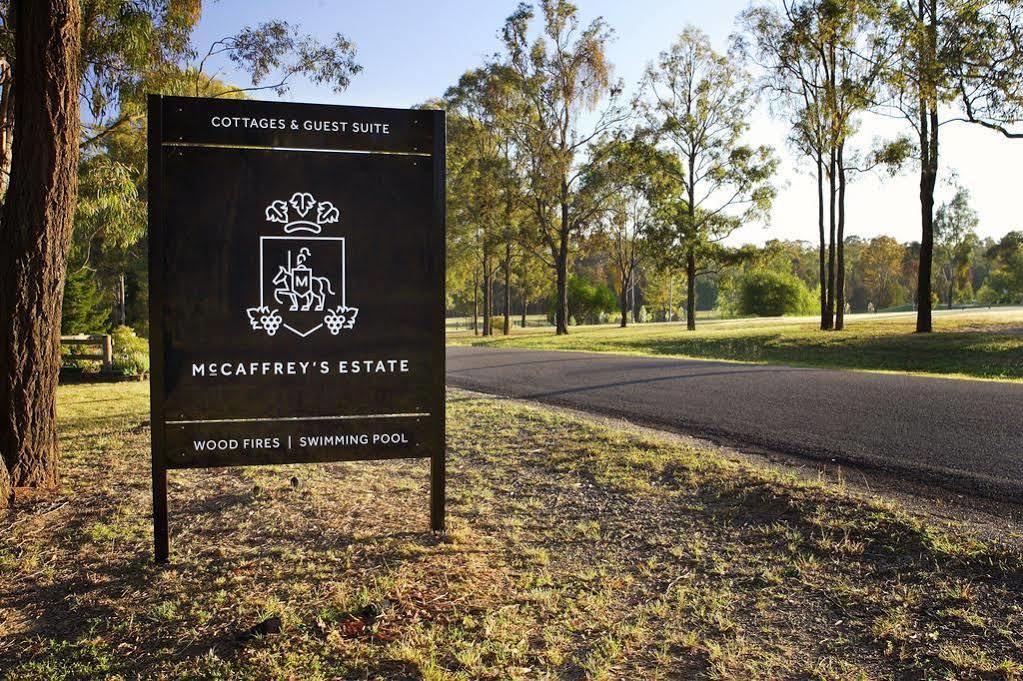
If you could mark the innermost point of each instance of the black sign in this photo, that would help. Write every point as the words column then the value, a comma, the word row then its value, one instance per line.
column 296, row 286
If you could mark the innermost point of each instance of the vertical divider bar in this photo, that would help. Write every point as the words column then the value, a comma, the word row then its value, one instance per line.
column 161, row 536
column 438, row 472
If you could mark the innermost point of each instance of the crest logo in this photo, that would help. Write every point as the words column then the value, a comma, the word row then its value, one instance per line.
column 302, row 278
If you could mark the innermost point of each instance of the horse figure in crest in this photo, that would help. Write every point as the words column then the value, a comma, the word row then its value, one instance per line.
column 298, row 285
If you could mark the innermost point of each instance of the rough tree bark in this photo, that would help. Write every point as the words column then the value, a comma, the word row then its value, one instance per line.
column 35, row 235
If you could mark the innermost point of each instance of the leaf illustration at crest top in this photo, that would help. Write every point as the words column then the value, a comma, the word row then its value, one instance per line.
column 302, row 202
column 326, row 212
column 277, row 212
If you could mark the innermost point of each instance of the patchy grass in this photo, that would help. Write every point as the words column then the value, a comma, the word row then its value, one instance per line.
column 975, row 344
column 575, row 550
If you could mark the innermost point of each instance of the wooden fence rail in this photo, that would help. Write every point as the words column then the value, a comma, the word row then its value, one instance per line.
column 103, row 343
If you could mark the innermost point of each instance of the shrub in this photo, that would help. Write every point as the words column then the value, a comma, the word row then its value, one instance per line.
column 497, row 324
column 131, row 353
column 586, row 301
column 644, row 316
column 766, row 293
column 987, row 295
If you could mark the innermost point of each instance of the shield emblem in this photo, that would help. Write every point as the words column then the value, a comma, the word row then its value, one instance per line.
column 302, row 278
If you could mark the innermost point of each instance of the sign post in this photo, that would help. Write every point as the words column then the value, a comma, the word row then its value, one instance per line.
column 296, row 258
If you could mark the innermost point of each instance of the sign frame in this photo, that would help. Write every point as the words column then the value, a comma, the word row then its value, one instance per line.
column 169, row 131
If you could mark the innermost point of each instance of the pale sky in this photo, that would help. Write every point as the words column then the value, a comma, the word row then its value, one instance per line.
column 412, row 51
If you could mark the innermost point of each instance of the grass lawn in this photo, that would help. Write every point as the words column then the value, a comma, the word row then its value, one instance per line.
column 576, row 550
column 979, row 344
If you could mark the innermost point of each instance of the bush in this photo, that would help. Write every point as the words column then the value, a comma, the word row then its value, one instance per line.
column 586, row 301
column 987, row 295
column 766, row 293
column 497, row 324
column 643, row 316
column 131, row 353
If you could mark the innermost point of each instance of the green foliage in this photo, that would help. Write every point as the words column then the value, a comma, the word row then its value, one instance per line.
column 987, row 295
column 85, row 310
column 1006, row 276
column 497, row 323
column 131, row 353
column 881, row 263
column 586, row 301
column 766, row 293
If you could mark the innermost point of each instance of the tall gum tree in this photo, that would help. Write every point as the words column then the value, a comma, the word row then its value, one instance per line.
column 698, row 103
column 35, row 236
column 559, row 77
column 822, row 62
column 788, row 50
column 958, row 61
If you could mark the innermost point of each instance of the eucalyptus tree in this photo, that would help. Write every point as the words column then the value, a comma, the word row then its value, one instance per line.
column 823, row 62
column 957, row 60
column 484, row 178
column 633, row 170
column 559, row 77
column 955, row 233
column 785, row 44
column 697, row 104
column 35, row 234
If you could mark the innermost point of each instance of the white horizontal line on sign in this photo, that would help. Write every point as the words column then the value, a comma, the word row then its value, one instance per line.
column 325, row 151
column 346, row 417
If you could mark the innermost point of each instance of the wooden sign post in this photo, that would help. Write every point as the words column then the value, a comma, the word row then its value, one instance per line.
column 296, row 264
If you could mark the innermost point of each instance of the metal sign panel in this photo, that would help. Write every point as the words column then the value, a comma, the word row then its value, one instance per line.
column 296, row 286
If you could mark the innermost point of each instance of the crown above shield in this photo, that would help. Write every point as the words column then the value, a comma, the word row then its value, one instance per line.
column 302, row 213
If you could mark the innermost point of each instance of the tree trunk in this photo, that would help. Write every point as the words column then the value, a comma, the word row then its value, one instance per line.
column 923, row 313
column 507, row 288
column 561, row 265
column 840, row 244
column 928, row 170
column 6, row 126
column 488, row 294
column 623, row 299
column 823, row 243
column 691, row 290
column 561, row 304
column 122, row 304
column 671, row 297
column 632, row 296
column 35, row 235
column 829, row 317
column 475, row 302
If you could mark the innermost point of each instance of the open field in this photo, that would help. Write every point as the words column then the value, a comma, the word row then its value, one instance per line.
column 575, row 550
column 974, row 343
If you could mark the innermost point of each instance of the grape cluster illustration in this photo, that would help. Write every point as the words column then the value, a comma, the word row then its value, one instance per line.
column 266, row 319
column 340, row 318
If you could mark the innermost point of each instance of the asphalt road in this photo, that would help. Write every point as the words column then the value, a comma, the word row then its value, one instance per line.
column 966, row 435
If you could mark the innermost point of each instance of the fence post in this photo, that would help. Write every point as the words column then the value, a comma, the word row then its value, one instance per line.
column 108, row 353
